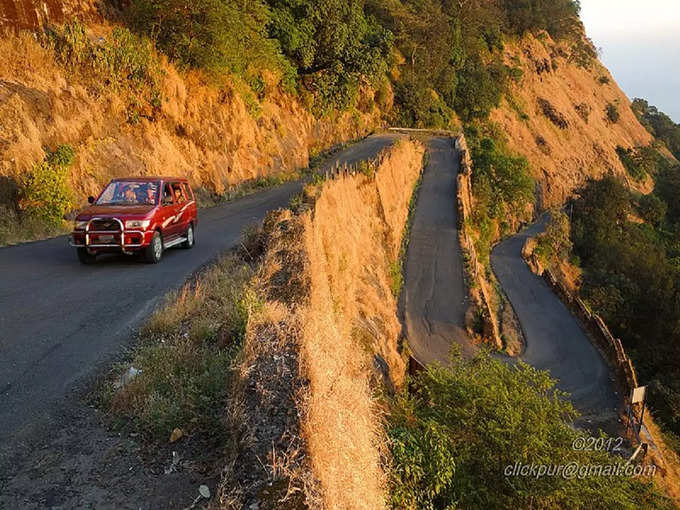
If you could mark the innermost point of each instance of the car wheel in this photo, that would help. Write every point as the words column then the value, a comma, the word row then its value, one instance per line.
column 191, row 237
column 85, row 257
column 154, row 251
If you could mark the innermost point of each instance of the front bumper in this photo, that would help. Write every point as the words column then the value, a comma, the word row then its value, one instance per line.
column 127, row 241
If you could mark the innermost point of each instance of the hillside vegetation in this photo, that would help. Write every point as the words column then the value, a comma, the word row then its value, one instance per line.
column 225, row 92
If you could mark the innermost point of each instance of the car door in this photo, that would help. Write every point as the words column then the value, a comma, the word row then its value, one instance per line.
column 183, row 214
column 191, row 209
column 168, row 214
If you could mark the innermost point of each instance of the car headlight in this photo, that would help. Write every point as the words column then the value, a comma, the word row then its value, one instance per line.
column 137, row 224
column 80, row 224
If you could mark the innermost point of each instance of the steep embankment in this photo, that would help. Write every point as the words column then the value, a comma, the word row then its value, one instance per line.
column 218, row 136
column 327, row 337
column 556, row 115
column 29, row 14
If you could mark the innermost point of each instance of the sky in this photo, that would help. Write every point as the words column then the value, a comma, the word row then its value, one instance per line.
column 640, row 43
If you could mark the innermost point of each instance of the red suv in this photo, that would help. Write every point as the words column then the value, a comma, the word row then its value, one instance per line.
column 137, row 215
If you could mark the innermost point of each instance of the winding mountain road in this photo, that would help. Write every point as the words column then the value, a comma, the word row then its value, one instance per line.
column 59, row 320
column 435, row 298
column 554, row 337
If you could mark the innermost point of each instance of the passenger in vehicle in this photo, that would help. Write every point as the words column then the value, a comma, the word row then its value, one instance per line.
column 179, row 195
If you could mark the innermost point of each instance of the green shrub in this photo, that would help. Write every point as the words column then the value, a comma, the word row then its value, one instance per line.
column 454, row 433
column 652, row 209
column 658, row 124
column 45, row 195
column 501, row 185
column 186, row 353
column 639, row 161
column 555, row 244
column 216, row 35
column 612, row 112
column 603, row 80
column 480, row 88
column 124, row 61
column 333, row 45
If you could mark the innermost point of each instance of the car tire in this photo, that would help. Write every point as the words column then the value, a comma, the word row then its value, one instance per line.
column 154, row 252
column 191, row 237
column 85, row 257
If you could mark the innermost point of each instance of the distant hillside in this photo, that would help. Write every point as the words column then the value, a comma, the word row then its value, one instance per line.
column 556, row 114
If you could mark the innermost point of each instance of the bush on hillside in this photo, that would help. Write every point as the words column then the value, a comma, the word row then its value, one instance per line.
column 455, row 432
column 652, row 209
column 552, row 114
column 658, row 124
column 217, row 35
column 583, row 110
column 612, row 112
column 639, row 161
column 480, row 88
column 555, row 243
column 123, row 61
column 501, row 185
column 631, row 277
column 44, row 193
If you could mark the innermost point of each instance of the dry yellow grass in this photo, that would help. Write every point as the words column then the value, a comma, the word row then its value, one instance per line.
column 204, row 132
column 587, row 147
column 351, row 239
column 304, row 404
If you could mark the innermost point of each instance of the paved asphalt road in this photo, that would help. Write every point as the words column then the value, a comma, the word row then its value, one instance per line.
column 435, row 299
column 59, row 319
column 555, row 340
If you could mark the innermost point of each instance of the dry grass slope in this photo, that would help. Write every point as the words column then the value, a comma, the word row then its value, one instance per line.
column 214, row 135
column 562, row 158
column 325, row 342
column 351, row 323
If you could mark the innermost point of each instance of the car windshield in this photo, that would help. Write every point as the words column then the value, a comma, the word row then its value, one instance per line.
column 130, row 193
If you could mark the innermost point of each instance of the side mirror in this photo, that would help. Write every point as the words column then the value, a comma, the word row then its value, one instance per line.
column 90, row 200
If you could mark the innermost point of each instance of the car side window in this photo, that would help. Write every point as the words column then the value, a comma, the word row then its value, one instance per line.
column 167, row 195
column 187, row 191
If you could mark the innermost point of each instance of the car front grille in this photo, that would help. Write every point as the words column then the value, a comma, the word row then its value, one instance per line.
column 105, row 226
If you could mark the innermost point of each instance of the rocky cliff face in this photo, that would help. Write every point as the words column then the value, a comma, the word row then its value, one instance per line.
column 557, row 118
column 31, row 14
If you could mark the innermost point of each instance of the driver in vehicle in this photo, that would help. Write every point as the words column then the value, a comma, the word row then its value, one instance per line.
column 150, row 194
column 129, row 195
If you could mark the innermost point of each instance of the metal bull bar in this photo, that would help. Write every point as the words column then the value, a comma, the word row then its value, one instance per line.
column 121, row 244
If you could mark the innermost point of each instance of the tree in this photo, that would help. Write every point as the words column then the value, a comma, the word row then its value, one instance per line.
column 217, row 35
column 652, row 209
column 667, row 188
column 658, row 124
column 599, row 214
column 453, row 436
column 555, row 243
column 333, row 44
